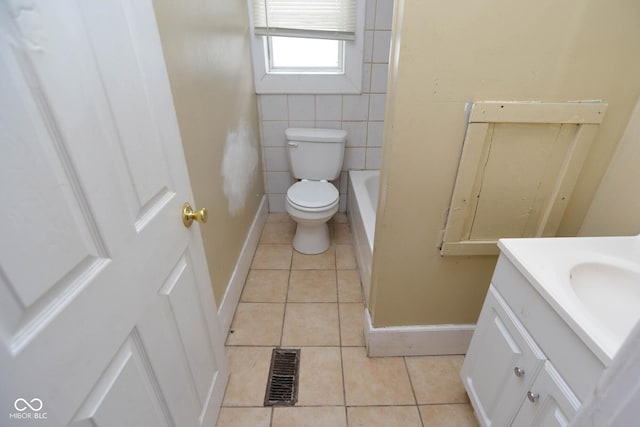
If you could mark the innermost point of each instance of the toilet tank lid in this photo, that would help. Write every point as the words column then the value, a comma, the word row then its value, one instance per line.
column 316, row 134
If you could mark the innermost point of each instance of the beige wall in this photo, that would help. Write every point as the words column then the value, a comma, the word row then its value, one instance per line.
column 615, row 210
column 206, row 48
column 445, row 54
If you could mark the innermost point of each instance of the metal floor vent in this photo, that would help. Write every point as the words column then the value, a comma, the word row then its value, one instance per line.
column 282, row 388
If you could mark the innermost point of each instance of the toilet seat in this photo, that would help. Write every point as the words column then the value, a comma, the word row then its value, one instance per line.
column 312, row 196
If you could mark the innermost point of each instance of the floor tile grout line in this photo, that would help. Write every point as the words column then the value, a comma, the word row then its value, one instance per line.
column 413, row 390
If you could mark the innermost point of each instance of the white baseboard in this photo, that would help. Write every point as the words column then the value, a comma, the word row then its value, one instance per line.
column 241, row 270
column 429, row 340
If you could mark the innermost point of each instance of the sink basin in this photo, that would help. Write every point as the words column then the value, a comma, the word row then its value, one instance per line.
column 593, row 283
column 610, row 292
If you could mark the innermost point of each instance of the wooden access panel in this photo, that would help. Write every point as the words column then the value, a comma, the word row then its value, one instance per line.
column 519, row 165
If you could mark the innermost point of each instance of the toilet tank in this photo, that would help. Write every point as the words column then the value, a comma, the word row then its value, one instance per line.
column 315, row 153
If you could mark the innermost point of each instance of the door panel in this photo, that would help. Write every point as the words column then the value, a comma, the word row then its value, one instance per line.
column 182, row 296
column 114, row 35
column 126, row 391
column 106, row 309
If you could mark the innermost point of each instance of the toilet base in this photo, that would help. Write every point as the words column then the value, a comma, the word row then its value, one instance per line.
column 311, row 238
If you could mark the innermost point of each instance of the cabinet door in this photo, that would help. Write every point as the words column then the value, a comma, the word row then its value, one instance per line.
column 500, row 344
column 551, row 403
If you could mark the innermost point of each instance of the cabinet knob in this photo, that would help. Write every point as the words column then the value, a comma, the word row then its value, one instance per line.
column 533, row 397
column 518, row 372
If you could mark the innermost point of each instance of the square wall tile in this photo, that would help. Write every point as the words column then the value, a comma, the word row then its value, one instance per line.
column 301, row 107
column 273, row 107
column 377, row 106
column 374, row 158
column 328, row 107
column 366, row 78
column 355, row 107
column 273, row 133
column 344, row 182
column 354, row 159
column 381, row 46
column 302, row 124
column 375, row 131
column 278, row 182
column 368, row 46
column 384, row 14
column 277, row 203
column 379, row 74
column 275, row 159
column 370, row 15
column 356, row 133
column 329, row 124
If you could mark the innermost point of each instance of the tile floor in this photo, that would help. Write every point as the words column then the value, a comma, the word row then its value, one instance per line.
column 314, row 302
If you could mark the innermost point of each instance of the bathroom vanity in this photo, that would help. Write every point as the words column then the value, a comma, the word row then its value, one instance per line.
column 545, row 335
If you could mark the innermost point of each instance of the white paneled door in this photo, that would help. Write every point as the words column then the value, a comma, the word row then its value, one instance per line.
column 107, row 317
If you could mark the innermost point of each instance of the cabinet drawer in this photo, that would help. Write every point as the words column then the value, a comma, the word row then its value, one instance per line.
column 501, row 363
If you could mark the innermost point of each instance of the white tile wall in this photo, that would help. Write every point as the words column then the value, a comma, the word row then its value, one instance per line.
column 328, row 107
column 376, row 106
column 273, row 107
column 374, row 134
column 302, row 107
column 379, row 74
column 273, row 133
column 381, row 46
column 355, row 107
column 361, row 116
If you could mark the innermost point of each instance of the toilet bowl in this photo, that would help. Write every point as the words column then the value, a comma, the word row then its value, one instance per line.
column 315, row 157
column 311, row 204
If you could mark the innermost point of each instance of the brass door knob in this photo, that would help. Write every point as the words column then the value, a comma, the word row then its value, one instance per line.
column 188, row 215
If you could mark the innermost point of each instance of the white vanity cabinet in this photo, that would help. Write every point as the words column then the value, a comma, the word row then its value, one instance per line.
column 524, row 366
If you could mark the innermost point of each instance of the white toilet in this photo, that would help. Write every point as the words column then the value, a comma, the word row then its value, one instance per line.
column 315, row 158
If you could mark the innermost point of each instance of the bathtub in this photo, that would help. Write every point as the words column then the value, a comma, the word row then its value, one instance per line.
column 362, row 202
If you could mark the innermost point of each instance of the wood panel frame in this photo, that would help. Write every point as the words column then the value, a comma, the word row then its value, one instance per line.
column 483, row 118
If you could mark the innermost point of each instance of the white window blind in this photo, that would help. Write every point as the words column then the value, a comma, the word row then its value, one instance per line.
column 325, row 19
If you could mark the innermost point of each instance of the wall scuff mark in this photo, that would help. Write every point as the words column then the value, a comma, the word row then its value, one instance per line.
column 239, row 166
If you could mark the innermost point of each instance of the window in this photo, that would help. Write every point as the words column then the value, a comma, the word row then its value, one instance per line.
column 307, row 46
column 295, row 55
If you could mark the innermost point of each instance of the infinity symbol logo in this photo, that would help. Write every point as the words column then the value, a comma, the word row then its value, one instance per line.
column 21, row 404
